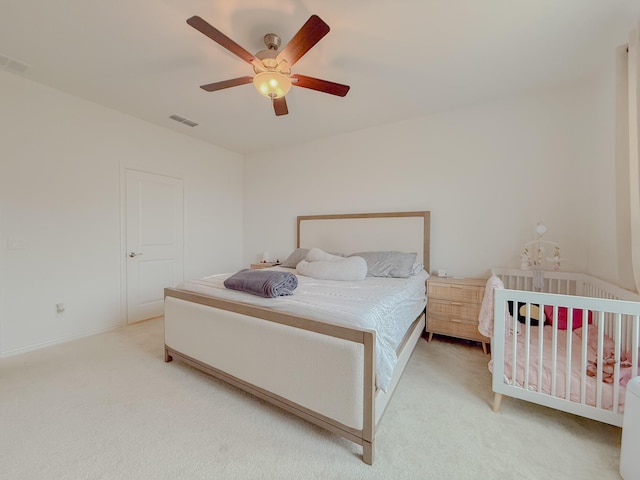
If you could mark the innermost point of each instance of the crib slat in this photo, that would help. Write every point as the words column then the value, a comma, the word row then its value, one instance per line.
column 554, row 352
column 584, row 359
column 527, row 343
column 635, row 348
column 599, row 354
column 540, row 347
column 514, row 346
column 567, row 376
column 616, row 370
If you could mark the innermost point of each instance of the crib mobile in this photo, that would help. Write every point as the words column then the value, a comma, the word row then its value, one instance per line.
column 533, row 256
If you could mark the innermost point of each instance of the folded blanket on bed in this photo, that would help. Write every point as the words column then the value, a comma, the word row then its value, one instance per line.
column 265, row 283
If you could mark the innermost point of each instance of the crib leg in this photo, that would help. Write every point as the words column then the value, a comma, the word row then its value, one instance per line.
column 497, row 398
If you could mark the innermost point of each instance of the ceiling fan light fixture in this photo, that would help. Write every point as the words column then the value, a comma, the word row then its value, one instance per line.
column 272, row 66
column 272, row 84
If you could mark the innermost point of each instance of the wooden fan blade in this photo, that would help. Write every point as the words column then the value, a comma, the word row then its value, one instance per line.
column 308, row 35
column 220, row 38
column 320, row 85
column 280, row 106
column 234, row 82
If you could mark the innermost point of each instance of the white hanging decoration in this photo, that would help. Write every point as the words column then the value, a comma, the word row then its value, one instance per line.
column 533, row 255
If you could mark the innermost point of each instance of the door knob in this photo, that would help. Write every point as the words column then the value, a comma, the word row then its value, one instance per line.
column 134, row 254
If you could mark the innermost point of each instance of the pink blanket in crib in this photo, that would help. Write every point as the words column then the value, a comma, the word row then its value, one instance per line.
column 576, row 378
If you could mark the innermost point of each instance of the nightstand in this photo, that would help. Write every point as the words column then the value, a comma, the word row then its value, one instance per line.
column 453, row 306
column 257, row 266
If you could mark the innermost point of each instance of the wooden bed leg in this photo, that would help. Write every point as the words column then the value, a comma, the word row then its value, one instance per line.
column 430, row 336
column 497, row 398
column 167, row 357
column 484, row 348
column 367, row 452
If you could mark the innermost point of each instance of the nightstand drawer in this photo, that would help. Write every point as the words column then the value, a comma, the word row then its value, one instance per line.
column 459, row 293
column 453, row 307
column 454, row 327
column 448, row 308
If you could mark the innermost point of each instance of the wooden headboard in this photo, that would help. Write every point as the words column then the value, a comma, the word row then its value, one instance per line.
column 360, row 232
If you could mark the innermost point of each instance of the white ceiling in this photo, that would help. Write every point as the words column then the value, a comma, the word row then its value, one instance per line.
column 402, row 58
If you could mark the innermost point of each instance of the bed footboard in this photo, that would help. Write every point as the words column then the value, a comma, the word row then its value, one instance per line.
column 286, row 360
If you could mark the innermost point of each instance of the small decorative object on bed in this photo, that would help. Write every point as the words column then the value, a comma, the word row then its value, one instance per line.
column 267, row 284
column 581, row 354
column 334, row 350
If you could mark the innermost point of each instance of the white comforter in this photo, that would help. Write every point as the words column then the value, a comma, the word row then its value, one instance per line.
column 386, row 305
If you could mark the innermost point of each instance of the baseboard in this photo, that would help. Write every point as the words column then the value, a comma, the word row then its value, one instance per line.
column 59, row 340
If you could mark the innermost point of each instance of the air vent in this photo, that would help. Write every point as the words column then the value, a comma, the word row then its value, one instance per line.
column 12, row 65
column 180, row 119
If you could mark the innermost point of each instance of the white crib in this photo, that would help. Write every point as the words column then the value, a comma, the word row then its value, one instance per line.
column 531, row 363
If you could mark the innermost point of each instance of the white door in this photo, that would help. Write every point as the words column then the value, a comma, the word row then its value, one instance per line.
column 154, row 241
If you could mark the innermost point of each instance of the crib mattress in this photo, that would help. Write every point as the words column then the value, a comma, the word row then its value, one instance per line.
column 544, row 383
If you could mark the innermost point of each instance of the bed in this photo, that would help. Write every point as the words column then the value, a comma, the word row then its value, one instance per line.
column 314, row 363
column 568, row 341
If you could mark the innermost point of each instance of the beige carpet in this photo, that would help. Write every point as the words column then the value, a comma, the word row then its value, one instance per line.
column 108, row 407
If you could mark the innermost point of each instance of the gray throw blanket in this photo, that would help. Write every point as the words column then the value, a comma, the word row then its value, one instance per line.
column 264, row 283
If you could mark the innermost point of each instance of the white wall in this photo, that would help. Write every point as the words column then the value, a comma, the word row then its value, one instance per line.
column 608, row 194
column 488, row 174
column 60, row 165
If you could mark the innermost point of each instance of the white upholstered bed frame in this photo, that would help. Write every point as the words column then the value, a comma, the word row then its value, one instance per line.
column 322, row 372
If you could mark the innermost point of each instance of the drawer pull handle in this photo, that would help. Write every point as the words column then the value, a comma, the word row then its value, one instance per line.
column 456, row 303
column 457, row 320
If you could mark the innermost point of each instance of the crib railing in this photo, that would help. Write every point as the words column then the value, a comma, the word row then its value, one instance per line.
column 552, row 282
column 615, row 313
column 565, row 283
column 572, row 283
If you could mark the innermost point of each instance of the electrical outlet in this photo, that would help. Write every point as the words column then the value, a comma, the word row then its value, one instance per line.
column 16, row 244
column 60, row 308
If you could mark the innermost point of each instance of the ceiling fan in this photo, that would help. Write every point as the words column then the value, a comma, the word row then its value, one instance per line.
column 272, row 68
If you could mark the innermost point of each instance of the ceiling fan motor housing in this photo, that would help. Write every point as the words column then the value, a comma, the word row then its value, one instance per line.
column 272, row 41
column 268, row 59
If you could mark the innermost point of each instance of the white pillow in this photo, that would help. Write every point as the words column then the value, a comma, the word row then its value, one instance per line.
column 346, row 269
column 317, row 255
